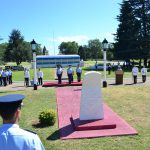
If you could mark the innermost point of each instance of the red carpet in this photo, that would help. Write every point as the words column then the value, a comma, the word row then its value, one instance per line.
column 68, row 101
column 55, row 84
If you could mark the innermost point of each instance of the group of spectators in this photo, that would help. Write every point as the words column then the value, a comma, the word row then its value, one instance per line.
column 5, row 77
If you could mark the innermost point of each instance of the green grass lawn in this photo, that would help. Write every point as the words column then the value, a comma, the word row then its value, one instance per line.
column 131, row 103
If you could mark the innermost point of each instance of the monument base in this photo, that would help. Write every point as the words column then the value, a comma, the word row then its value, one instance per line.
column 81, row 125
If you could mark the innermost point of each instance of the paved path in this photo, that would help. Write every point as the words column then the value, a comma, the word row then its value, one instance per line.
column 19, row 85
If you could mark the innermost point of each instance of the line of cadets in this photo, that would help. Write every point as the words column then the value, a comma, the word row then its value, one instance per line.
column 5, row 77
column 59, row 72
column 70, row 73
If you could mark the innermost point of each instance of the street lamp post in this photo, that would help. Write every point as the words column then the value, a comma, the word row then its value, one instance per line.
column 33, row 46
column 105, row 47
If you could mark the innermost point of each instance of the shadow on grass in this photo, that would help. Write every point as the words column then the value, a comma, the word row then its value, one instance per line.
column 114, row 84
column 134, row 83
column 54, row 136
column 39, row 125
column 8, row 92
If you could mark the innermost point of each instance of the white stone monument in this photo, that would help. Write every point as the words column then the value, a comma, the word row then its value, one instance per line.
column 91, row 105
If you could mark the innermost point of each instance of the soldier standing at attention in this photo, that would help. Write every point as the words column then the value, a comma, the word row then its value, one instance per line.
column 70, row 73
column 78, row 72
column 12, row 137
column 1, row 79
column 10, row 76
column 135, row 71
column 4, row 77
column 144, row 73
column 26, row 77
column 59, row 72
column 40, row 77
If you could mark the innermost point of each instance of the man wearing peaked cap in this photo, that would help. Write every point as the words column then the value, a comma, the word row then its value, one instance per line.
column 11, row 136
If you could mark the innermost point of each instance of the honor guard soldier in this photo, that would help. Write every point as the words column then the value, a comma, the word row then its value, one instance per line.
column 1, row 79
column 9, row 76
column 59, row 72
column 40, row 77
column 4, row 77
column 78, row 72
column 26, row 77
column 12, row 137
column 70, row 73
column 144, row 73
column 135, row 71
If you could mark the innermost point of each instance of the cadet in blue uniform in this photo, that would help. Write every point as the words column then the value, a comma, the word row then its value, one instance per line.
column 59, row 72
column 11, row 136
column 70, row 73
column 78, row 72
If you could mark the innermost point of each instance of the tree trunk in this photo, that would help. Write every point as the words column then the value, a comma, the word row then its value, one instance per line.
column 145, row 62
column 140, row 63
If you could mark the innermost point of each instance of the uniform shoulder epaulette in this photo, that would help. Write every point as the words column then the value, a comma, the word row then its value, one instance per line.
column 30, row 131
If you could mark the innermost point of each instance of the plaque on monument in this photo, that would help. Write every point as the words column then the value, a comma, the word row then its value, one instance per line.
column 91, row 105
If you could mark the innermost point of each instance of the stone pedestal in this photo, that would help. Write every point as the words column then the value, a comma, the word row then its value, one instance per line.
column 91, row 106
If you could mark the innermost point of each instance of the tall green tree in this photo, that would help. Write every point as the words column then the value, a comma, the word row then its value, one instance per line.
column 19, row 50
column 141, row 10
column 95, row 49
column 68, row 48
column 2, row 51
column 15, row 50
column 83, row 52
column 128, row 30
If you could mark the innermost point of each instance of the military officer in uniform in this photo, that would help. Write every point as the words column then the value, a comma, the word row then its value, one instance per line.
column 70, row 73
column 26, row 76
column 40, row 77
column 1, row 79
column 135, row 71
column 78, row 72
column 144, row 73
column 12, row 137
column 59, row 72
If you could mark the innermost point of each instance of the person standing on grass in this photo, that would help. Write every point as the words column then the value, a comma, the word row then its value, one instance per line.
column 109, row 69
column 78, row 72
column 96, row 66
column 4, row 77
column 9, row 76
column 1, row 79
column 144, row 73
column 12, row 137
column 40, row 77
column 70, row 73
column 26, row 77
column 59, row 72
column 135, row 71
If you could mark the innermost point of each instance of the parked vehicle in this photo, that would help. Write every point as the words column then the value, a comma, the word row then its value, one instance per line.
column 15, row 68
column 99, row 67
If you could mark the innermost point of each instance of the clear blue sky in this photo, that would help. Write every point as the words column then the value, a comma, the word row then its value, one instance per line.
column 50, row 22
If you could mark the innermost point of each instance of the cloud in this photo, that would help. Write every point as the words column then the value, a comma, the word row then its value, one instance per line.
column 78, row 38
column 109, row 37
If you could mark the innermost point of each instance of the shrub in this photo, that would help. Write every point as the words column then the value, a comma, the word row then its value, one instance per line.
column 47, row 117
